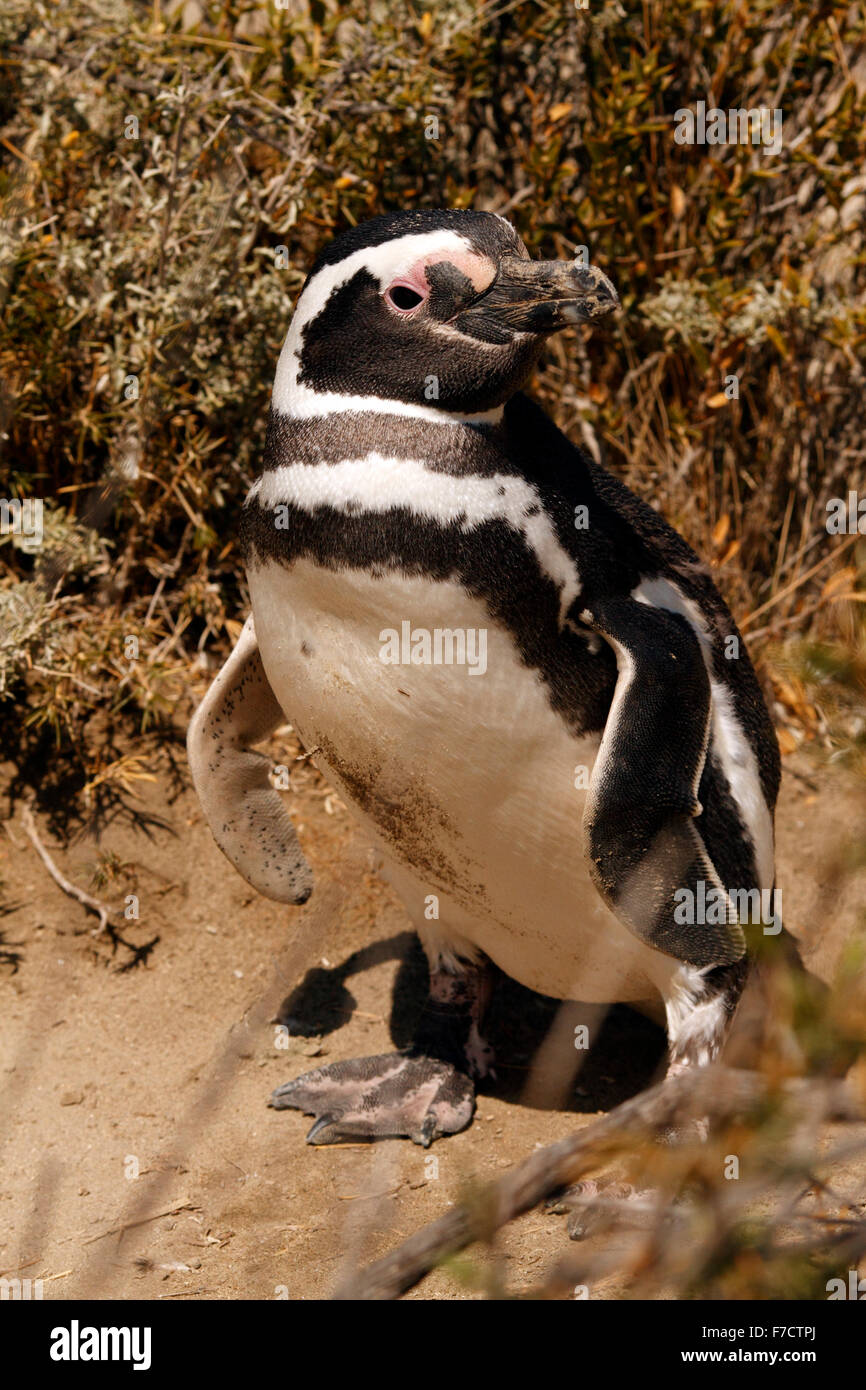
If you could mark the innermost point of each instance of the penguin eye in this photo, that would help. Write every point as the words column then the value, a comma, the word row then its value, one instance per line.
column 404, row 298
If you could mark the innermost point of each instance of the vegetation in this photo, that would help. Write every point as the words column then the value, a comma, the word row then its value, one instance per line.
column 155, row 159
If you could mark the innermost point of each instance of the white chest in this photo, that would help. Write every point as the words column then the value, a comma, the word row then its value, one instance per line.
column 444, row 744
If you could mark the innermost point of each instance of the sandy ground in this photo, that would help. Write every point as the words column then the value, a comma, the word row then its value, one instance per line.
column 139, row 1157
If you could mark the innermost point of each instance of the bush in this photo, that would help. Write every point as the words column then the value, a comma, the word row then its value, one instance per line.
column 153, row 160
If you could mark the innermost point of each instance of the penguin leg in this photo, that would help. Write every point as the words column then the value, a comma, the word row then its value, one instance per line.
column 420, row 1094
column 699, row 1006
column 450, row 1023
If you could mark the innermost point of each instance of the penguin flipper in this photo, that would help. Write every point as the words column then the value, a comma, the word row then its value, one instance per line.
column 646, row 856
column 244, row 811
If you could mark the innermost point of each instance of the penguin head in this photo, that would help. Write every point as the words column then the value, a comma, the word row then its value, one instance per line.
column 428, row 312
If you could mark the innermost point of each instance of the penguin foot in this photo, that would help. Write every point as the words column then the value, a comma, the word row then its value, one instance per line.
column 596, row 1205
column 386, row 1097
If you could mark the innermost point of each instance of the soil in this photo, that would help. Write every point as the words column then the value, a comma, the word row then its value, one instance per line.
column 140, row 1158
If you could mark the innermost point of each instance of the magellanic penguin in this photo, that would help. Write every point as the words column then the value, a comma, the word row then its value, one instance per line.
column 521, row 681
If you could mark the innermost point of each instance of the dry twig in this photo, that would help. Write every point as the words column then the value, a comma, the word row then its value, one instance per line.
column 717, row 1092
column 71, row 889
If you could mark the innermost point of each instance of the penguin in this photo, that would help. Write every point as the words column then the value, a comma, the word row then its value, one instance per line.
column 518, row 677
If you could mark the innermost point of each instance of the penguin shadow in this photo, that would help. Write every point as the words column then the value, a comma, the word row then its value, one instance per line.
column 322, row 1002
column 538, row 1065
column 626, row 1053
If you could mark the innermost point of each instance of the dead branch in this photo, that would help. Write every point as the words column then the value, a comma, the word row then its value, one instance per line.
column 142, row 1221
column 71, row 889
column 716, row 1092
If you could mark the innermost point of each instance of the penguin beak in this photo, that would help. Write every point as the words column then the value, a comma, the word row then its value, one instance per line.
column 540, row 297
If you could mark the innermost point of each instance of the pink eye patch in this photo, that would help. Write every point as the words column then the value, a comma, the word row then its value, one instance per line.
column 408, row 291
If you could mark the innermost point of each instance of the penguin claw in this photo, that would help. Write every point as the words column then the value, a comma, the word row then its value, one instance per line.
column 320, row 1132
column 384, row 1097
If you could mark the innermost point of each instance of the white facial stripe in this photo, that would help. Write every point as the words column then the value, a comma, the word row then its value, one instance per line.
column 386, row 263
column 730, row 744
column 302, row 403
column 376, row 484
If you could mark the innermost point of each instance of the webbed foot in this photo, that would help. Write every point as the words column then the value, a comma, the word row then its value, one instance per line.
column 594, row 1205
column 385, row 1097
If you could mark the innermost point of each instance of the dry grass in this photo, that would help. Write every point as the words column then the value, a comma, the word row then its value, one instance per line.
column 154, row 258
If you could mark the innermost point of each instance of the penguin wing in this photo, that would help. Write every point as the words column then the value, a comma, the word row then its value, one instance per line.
column 244, row 811
column 647, row 857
